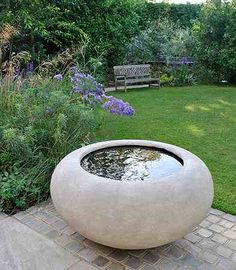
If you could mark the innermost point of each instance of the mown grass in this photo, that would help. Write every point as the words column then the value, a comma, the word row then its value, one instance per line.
column 201, row 119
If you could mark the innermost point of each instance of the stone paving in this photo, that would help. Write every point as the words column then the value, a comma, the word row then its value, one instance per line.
column 212, row 245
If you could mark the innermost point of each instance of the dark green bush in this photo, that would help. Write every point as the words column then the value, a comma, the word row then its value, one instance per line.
column 216, row 41
column 42, row 125
column 108, row 25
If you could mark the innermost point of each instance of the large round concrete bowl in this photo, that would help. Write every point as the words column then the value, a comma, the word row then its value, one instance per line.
column 132, row 214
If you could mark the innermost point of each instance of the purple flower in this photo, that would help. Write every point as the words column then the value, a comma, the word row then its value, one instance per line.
column 29, row 68
column 85, row 84
column 118, row 106
column 58, row 77
column 92, row 92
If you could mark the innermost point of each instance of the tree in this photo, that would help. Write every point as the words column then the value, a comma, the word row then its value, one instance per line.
column 216, row 35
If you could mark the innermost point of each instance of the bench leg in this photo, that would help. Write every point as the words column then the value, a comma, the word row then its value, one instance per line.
column 125, row 86
column 115, row 85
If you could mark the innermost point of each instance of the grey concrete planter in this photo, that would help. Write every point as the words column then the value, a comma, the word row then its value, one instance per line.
column 136, row 214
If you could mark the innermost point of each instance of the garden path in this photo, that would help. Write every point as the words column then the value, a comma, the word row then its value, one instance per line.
column 38, row 239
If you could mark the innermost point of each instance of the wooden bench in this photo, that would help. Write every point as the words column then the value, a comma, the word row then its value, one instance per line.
column 131, row 74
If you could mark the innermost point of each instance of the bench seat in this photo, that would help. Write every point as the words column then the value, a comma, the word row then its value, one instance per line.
column 130, row 74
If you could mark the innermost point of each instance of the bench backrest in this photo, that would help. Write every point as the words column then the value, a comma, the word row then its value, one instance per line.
column 132, row 70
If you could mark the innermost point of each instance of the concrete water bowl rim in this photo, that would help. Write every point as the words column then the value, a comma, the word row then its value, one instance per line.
column 184, row 155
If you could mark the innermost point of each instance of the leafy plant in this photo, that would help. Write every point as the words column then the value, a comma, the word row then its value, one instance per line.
column 215, row 34
column 51, row 117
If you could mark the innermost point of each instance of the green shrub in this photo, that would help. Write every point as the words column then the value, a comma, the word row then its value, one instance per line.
column 183, row 75
column 43, row 124
column 216, row 41
column 162, row 39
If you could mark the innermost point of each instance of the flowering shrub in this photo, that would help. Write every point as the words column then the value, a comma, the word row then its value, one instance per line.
column 92, row 92
column 118, row 106
column 44, row 123
column 47, row 120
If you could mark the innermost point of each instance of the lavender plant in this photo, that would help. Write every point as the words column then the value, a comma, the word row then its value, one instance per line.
column 92, row 92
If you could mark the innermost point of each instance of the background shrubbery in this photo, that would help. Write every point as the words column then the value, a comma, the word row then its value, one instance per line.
column 107, row 30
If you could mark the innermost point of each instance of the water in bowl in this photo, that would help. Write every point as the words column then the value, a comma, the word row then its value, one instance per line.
column 131, row 163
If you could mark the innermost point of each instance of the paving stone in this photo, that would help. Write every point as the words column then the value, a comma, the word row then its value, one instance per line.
column 181, row 243
column 119, row 255
column 151, row 257
column 174, row 252
column 219, row 239
column 205, row 223
column 32, row 209
column 63, row 240
column 188, row 247
column 60, row 225
column 115, row 266
column 3, row 216
column 233, row 258
column 226, row 224
column 43, row 228
column 230, row 234
column 184, row 267
column 31, row 221
column 137, row 253
column 90, row 243
column 193, row 250
column 133, row 262
column 52, row 210
column 225, row 265
column 166, row 264
column 210, row 257
column 52, row 219
column 216, row 212
column 206, row 266
column 20, row 215
column 202, row 249
column 78, row 236
column 213, row 218
column 101, row 248
column 50, row 206
column 23, row 248
column 52, row 234
column 43, row 215
column 100, row 261
column 88, row 254
column 104, row 249
column 191, row 260
column 230, row 217
column 148, row 267
column 192, row 237
column 163, row 248
column 204, row 232
column 232, row 244
column 216, row 228
column 82, row 266
column 224, row 251
column 74, row 246
column 68, row 230
column 207, row 243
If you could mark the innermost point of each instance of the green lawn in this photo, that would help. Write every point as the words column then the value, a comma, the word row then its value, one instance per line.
column 201, row 119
